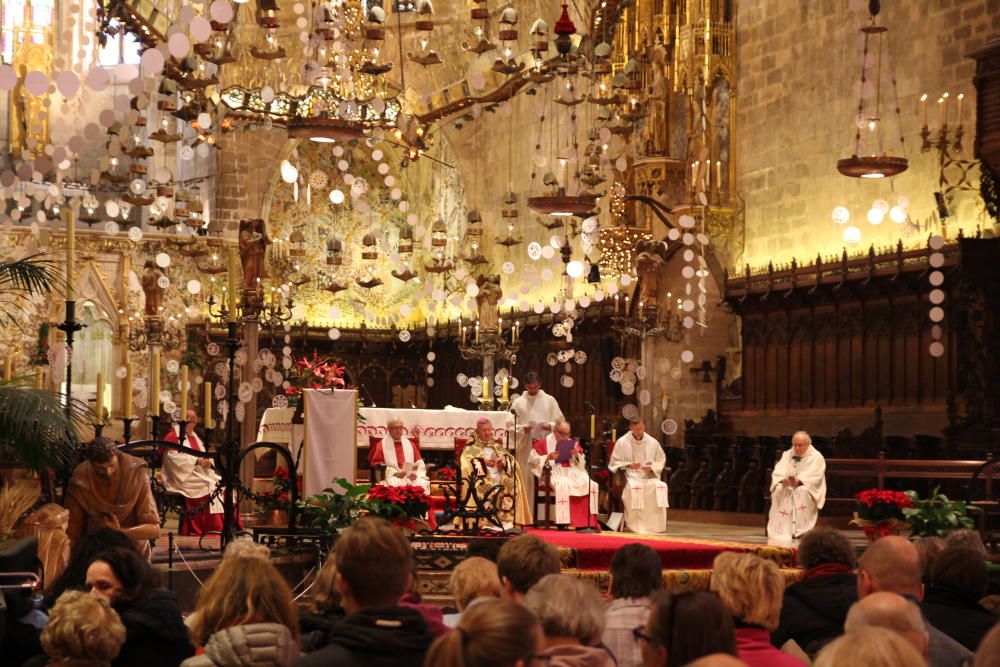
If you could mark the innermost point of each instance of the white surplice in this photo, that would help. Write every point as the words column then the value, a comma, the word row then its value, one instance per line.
column 407, row 466
column 183, row 475
column 645, row 495
column 794, row 511
column 567, row 481
column 534, row 411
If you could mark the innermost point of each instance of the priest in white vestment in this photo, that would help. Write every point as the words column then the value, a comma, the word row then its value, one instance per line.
column 194, row 478
column 798, row 489
column 576, row 494
column 645, row 495
column 537, row 416
column 404, row 466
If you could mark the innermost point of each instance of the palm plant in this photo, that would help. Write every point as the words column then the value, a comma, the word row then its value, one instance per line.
column 39, row 427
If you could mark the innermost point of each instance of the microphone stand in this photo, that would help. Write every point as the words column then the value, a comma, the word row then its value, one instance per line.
column 513, row 530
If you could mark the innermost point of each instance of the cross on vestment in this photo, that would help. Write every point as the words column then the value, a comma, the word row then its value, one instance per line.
column 784, row 513
column 801, row 507
column 564, row 501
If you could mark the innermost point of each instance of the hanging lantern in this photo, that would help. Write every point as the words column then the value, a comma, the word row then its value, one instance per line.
column 540, row 34
column 405, row 240
column 297, row 243
column 509, row 209
column 474, row 228
column 375, row 30
column 480, row 13
column 267, row 13
column 508, row 21
column 334, row 252
column 565, row 29
column 369, row 248
column 439, row 234
column 425, row 14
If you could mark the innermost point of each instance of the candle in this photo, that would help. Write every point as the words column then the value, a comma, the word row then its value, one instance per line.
column 184, row 392
column 477, row 332
column 940, row 111
column 708, row 165
column 486, row 386
column 8, row 367
column 99, row 400
column 123, row 283
column 70, row 251
column 506, row 389
column 127, row 391
column 593, row 426
column 923, row 108
column 961, row 99
column 614, row 435
column 945, row 98
column 39, row 378
column 234, row 284
column 207, row 406
column 718, row 175
column 616, row 304
column 154, row 383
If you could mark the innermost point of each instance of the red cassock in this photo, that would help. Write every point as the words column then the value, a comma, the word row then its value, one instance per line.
column 579, row 505
column 182, row 475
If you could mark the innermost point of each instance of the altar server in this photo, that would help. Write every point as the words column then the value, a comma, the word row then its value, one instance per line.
column 401, row 456
column 537, row 416
column 798, row 489
column 194, row 478
column 645, row 494
column 576, row 493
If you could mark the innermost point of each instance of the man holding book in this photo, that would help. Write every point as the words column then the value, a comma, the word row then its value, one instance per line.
column 798, row 489
column 401, row 457
column 644, row 495
column 575, row 492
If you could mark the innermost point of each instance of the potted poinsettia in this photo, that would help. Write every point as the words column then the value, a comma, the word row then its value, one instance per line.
column 880, row 512
column 937, row 515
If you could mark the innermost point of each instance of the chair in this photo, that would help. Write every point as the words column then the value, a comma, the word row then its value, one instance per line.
column 544, row 494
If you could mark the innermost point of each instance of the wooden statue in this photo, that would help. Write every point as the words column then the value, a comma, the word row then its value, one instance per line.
column 486, row 301
column 654, row 133
column 151, row 274
column 253, row 249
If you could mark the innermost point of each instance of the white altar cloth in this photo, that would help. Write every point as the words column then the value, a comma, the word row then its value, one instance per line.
column 435, row 429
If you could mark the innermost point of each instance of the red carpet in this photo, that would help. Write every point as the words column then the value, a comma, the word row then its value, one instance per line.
column 593, row 551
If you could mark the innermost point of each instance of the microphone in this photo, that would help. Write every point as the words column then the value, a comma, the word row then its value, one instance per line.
column 590, row 407
column 368, row 395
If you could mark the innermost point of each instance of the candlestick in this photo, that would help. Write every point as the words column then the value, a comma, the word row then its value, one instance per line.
column 70, row 220
column 39, row 378
column 207, row 406
column 154, row 384
column 923, row 108
column 234, row 285
column 8, row 367
column 486, row 387
column 961, row 99
column 505, row 395
column 99, row 400
column 614, row 435
column 127, row 391
column 593, row 425
column 184, row 392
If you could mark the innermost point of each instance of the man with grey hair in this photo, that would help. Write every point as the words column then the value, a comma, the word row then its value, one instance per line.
column 891, row 565
column 798, row 489
column 404, row 466
column 893, row 612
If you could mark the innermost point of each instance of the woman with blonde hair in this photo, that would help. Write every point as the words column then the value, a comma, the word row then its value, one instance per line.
column 83, row 630
column 752, row 588
column 245, row 617
column 472, row 582
column 870, row 647
column 493, row 633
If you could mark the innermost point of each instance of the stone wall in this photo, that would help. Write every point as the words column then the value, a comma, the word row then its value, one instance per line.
column 798, row 66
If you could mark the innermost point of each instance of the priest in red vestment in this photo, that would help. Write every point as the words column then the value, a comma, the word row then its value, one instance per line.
column 194, row 478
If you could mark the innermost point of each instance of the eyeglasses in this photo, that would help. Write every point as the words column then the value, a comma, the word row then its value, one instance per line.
column 639, row 634
column 562, row 432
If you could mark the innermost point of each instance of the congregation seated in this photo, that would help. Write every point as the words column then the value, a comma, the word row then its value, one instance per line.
column 689, row 628
column 891, row 564
column 575, row 493
column 870, row 647
column 323, row 611
column 636, row 576
column 82, row 630
column 571, row 614
column 522, row 562
column 473, row 582
column 813, row 610
column 928, row 549
column 83, row 554
column 951, row 603
column 892, row 612
column 374, row 565
column 751, row 588
column 155, row 634
column 245, row 616
column 494, row 633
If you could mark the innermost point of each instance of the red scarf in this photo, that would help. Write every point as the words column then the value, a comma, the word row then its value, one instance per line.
column 826, row 569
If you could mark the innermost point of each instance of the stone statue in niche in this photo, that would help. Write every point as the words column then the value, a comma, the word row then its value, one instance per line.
column 151, row 275
column 654, row 133
column 649, row 259
column 486, row 301
column 253, row 248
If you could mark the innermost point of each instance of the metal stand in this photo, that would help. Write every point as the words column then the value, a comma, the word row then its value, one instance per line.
column 98, row 429
column 69, row 326
column 127, row 428
column 230, row 449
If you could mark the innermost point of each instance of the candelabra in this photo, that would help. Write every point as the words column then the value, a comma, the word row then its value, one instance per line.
column 274, row 313
column 955, row 173
column 489, row 345
column 169, row 337
column 218, row 310
column 647, row 321
column 69, row 326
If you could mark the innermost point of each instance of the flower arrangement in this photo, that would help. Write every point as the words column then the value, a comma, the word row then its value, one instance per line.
column 446, row 473
column 315, row 373
column 880, row 512
column 333, row 510
column 399, row 502
column 280, row 497
column 937, row 515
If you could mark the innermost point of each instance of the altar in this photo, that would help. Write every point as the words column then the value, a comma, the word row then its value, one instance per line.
column 336, row 434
